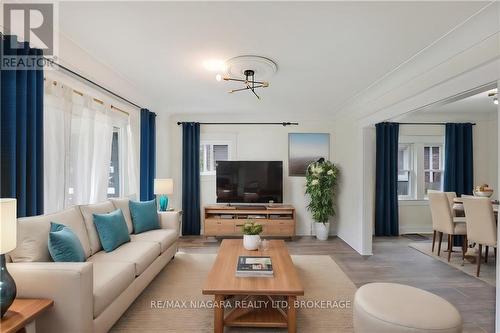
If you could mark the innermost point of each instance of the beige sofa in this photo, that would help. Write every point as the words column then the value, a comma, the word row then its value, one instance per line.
column 89, row 296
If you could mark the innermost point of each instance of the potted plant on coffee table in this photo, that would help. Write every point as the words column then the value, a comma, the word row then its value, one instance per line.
column 251, row 235
column 321, row 181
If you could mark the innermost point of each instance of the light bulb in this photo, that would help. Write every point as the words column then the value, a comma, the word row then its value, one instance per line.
column 495, row 101
column 218, row 77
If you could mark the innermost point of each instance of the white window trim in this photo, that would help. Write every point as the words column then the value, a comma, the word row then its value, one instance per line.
column 229, row 144
column 421, row 195
column 417, row 176
column 411, row 173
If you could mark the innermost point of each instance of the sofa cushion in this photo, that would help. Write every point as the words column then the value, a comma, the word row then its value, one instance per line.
column 64, row 245
column 110, row 280
column 141, row 254
column 122, row 203
column 33, row 235
column 112, row 229
column 164, row 237
column 87, row 212
column 144, row 215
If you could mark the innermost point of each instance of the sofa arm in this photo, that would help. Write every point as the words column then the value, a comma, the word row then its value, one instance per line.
column 170, row 220
column 69, row 285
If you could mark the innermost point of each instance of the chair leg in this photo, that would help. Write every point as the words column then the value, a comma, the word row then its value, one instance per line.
column 479, row 259
column 450, row 246
column 486, row 250
column 433, row 240
column 439, row 242
column 464, row 247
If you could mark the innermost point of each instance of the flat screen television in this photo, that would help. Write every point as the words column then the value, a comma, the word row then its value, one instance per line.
column 252, row 182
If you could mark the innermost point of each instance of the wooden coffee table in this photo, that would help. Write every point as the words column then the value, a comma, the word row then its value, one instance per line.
column 278, row 293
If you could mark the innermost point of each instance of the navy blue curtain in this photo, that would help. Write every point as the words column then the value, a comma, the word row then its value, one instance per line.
column 148, row 154
column 191, row 178
column 386, row 183
column 21, row 123
column 459, row 162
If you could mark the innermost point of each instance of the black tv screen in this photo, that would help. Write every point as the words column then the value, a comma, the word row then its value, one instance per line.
column 249, row 181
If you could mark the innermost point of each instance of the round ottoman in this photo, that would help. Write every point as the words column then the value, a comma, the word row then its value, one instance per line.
column 391, row 307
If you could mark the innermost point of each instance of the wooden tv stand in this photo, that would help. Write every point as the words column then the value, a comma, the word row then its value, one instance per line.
column 225, row 220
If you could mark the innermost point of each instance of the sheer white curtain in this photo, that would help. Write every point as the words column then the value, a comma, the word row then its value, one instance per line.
column 57, row 119
column 90, row 151
column 131, row 187
column 78, row 141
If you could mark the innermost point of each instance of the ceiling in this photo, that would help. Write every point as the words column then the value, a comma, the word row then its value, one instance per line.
column 479, row 103
column 326, row 52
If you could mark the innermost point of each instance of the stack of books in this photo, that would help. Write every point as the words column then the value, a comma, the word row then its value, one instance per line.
column 249, row 266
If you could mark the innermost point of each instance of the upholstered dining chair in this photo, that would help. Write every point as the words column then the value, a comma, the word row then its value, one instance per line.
column 481, row 225
column 443, row 221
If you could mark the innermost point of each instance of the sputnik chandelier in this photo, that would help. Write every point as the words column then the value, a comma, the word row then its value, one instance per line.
column 243, row 69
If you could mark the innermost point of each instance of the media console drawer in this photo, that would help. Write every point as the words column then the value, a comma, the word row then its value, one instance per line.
column 214, row 227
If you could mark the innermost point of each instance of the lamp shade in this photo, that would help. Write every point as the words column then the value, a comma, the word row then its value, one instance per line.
column 164, row 186
column 8, row 225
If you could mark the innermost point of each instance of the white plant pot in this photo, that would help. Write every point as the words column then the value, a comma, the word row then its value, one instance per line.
column 251, row 242
column 322, row 230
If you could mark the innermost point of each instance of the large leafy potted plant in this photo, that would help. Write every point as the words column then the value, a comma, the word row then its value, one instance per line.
column 321, row 181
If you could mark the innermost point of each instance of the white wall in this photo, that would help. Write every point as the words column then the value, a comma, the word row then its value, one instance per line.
column 252, row 142
column 414, row 215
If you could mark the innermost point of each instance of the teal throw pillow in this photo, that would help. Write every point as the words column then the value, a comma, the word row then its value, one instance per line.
column 112, row 229
column 64, row 245
column 144, row 215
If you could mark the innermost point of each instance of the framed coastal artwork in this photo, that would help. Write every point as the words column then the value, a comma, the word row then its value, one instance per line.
column 305, row 148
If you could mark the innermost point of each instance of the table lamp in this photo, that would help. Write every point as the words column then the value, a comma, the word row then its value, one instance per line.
column 163, row 187
column 8, row 239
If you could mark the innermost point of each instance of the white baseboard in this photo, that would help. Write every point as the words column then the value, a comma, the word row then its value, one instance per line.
column 417, row 229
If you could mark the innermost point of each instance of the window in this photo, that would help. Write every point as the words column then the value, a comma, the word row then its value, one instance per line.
column 404, row 170
column 420, row 166
column 114, row 166
column 433, row 168
column 210, row 152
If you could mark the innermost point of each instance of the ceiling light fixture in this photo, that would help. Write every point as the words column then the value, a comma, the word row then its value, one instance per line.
column 494, row 95
column 249, row 82
column 244, row 69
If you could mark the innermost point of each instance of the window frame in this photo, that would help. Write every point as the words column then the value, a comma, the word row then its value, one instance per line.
column 119, row 124
column 119, row 131
column 411, row 172
column 417, row 181
column 212, row 143
column 422, row 193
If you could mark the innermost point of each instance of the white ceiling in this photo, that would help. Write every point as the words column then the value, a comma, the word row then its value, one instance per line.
column 326, row 51
column 479, row 103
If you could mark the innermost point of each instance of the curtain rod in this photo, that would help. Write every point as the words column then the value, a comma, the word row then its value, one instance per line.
column 92, row 82
column 93, row 98
column 437, row 124
column 285, row 123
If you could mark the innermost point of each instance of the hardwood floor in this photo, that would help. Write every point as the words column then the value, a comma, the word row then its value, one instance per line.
column 394, row 261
